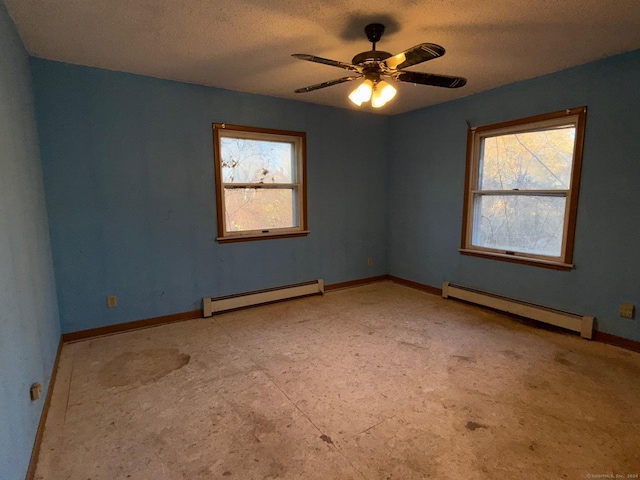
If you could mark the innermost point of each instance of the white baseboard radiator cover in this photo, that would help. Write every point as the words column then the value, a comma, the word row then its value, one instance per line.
column 570, row 321
column 211, row 305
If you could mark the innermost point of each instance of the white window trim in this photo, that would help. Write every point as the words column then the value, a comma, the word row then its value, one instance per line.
column 475, row 138
column 298, row 140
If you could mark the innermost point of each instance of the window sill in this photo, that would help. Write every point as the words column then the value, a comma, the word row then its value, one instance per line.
column 536, row 262
column 262, row 236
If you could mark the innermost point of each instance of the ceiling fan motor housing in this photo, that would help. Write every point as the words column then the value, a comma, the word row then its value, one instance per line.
column 370, row 56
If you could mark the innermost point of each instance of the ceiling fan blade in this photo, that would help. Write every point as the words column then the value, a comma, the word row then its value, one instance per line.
column 430, row 79
column 326, row 84
column 413, row 56
column 326, row 61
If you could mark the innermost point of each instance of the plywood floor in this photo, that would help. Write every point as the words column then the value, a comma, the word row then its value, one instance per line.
column 374, row 382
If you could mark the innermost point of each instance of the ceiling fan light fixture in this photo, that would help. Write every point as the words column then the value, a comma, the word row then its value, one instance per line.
column 383, row 93
column 362, row 93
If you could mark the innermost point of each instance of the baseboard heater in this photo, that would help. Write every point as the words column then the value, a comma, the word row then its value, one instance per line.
column 570, row 321
column 211, row 305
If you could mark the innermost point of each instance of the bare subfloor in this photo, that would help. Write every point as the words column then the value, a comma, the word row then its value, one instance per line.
column 375, row 382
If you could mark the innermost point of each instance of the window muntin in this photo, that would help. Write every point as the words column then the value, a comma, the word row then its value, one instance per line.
column 260, row 182
column 522, row 189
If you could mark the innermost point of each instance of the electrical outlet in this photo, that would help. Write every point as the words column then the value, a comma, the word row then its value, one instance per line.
column 35, row 391
column 627, row 310
column 112, row 301
column 370, row 261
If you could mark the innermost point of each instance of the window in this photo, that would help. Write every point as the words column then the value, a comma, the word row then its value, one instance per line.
column 260, row 183
column 521, row 194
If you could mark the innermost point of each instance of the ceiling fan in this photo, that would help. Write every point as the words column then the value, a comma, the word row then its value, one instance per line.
column 376, row 64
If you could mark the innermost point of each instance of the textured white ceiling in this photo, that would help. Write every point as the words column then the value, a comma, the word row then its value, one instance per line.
column 246, row 45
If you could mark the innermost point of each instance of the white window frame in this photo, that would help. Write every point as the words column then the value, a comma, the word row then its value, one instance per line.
column 475, row 139
column 299, row 187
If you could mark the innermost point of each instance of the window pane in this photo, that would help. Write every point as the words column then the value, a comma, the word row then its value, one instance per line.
column 259, row 208
column 520, row 223
column 256, row 161
column 528, row 161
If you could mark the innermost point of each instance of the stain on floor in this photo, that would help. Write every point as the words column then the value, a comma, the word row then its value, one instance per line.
column 144, row 367
column 511, row 353
column 474, row 426
column 560, row 358
column 464, row 358
column 326, row 438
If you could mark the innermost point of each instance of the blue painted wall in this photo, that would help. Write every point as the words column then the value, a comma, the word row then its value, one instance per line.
column 130, row 193
column 29, row 326
column 129, row 179
column 427, row 169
